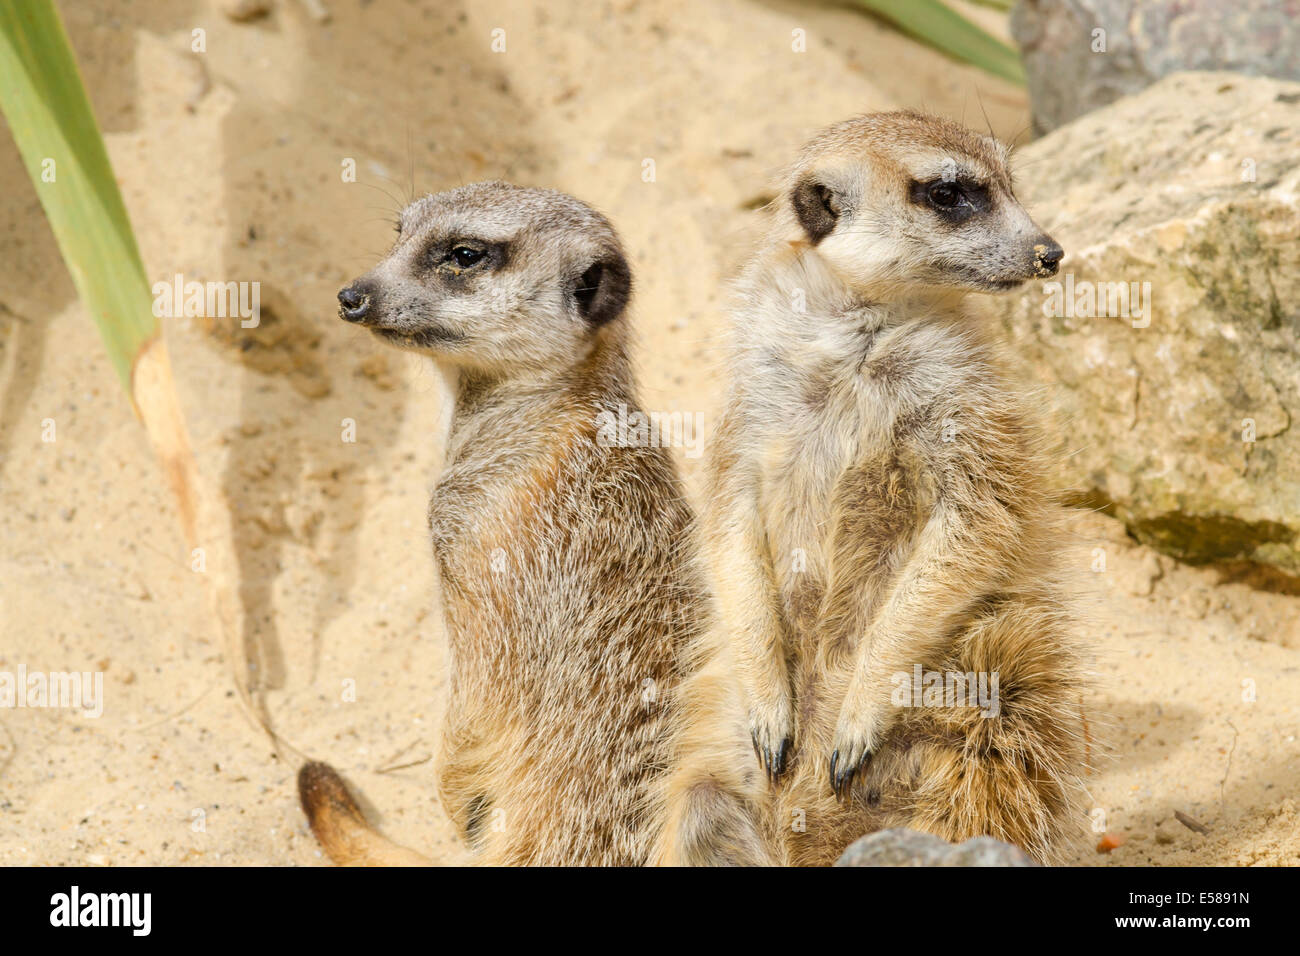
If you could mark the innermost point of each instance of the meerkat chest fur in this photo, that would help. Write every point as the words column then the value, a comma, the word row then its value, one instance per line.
column 858, row 426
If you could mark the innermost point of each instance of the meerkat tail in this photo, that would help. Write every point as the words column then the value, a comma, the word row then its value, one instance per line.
column 713, row 825
column 718, row 813
column 339, row 825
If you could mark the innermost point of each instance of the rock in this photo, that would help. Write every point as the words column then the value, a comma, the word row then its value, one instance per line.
column 902, row 847
column 1111, row 841
column 1073, row 69
column 1141, row 581
column 1175, row 413
column 1195, row 603
column 242, row 11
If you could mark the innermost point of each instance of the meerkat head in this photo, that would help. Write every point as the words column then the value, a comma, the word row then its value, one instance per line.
column 495, row 277
column 903, row 200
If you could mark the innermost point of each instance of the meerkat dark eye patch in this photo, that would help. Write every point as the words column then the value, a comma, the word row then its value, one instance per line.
column 954, row 200
column 602, row 291
column 458, row 256
column 817, row 208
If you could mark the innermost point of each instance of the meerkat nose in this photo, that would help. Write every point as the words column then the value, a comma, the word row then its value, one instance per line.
column 1047, row 256
column 353, row 304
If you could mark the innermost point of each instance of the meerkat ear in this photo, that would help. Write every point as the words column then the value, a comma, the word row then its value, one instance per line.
column 602, row 291
column 817, row 207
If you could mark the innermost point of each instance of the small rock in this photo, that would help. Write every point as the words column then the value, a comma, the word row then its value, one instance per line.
column 1111, row 841
column 241, row 11
column 903, row 847
column 1142, row 582
column 1196, row 603
column 200, row 82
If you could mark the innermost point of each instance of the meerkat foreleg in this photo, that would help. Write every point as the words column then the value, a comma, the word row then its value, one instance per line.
column 951, row 564
column 748, row 607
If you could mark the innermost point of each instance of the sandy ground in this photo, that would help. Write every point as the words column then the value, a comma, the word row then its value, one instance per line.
column 230, row 165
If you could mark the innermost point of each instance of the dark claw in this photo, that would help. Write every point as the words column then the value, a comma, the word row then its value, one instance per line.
column 842, row 782
column 772, row 763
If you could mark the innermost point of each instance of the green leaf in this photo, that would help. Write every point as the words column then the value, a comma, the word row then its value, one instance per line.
column 49, row 115
column 943, row 28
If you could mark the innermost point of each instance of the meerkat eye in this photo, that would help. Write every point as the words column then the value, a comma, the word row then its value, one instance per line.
column 945, row 195
column 465, row 256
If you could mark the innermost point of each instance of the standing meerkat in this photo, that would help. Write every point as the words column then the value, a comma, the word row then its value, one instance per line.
column 568, row 564
column 877, row 504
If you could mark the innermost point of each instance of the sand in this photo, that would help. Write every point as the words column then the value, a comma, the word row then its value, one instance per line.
column 230, row 164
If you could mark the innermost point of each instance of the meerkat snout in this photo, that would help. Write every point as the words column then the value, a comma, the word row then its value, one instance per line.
column 354, row 303
column 894, row 202
column 494, row 276
column 1047, row 256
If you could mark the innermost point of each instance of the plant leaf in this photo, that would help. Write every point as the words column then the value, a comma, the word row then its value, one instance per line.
column 943, row 28
column 45, row 102
column 49, row 115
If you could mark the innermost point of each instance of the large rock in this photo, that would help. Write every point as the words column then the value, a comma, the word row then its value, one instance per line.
column 902, row 847
column 1073, row 70
column 1178, row 418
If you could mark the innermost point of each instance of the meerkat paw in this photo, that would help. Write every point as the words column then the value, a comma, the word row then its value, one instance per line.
column 858, row 734
column 772, row 730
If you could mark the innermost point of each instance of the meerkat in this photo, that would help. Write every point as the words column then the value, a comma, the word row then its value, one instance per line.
column 567, row 561
column 878, row 511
